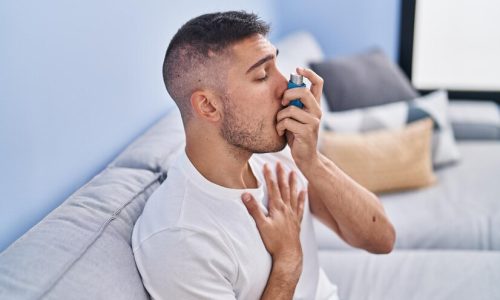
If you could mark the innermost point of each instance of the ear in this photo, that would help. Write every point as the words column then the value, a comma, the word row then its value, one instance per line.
column 206, row 105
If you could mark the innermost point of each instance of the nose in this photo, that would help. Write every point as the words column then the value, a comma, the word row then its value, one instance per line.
column 282, row 85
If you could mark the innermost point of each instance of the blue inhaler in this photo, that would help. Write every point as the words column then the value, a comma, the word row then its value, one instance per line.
column 295, row 82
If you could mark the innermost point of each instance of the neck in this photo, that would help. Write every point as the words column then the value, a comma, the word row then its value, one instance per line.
column 220, row 163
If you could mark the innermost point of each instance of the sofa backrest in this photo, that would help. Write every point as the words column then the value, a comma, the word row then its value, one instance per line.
column 156, row 149
column 81, row 250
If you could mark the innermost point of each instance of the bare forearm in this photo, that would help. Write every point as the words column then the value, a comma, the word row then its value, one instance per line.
column 283, row 280
column 357, row 212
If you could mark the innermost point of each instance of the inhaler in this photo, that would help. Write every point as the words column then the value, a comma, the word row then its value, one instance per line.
column 295, row 82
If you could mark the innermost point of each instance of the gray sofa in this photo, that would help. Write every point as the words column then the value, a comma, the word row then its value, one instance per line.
column 461, row 212
column 81, row 250
column 448, row 238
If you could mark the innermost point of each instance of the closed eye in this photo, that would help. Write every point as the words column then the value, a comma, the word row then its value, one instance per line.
column 263, row 78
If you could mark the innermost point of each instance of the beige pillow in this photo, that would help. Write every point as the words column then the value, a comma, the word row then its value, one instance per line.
column 384, row 160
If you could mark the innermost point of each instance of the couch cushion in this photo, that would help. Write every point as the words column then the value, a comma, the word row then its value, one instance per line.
column 363, row 80
column 414, row 274
column 81, row 250
column 461, row 211
column 157, row 147
column 396, row 115
column 384, row 160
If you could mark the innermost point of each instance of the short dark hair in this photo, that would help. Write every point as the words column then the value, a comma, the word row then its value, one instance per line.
column 191, row 51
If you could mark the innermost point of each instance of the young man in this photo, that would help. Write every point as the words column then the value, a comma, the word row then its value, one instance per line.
column 222, row 226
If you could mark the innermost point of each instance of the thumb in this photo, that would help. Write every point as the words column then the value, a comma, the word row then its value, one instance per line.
column 253, row 208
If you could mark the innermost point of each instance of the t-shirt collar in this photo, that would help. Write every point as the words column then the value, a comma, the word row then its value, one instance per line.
column 219, row 191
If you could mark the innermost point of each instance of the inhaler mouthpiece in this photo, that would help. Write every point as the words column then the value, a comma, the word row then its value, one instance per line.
column 297, row 79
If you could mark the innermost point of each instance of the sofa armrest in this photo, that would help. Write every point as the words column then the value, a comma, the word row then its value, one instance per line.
column 475, row 120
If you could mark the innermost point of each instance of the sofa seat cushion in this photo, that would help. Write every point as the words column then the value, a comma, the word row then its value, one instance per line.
column 81, row 250
column 408, row 274
column 459, row 212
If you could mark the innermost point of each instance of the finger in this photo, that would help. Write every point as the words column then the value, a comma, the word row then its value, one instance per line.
column 272, row 188
column 296, row 114
column 301, row 203
column 316, row 82
column 297, row 128
column 283, row 184
column 292, row 182
column 295, row 93
column 306, row 97
column 253, row 208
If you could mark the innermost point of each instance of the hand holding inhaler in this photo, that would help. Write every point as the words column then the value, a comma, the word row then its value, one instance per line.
column 295, row 82
column 301, row 126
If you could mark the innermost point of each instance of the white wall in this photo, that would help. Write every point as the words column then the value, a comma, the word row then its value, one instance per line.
column 457, row 45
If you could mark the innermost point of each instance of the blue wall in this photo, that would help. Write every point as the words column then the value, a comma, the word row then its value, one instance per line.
column 79, row 80
column 344, row 27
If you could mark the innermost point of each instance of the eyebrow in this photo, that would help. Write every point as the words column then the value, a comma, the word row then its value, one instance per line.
column 263, row 60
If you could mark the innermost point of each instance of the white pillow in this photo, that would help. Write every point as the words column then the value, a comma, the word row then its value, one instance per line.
column 397, row 115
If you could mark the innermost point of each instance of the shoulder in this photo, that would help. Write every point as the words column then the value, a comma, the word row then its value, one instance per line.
column 169, row 213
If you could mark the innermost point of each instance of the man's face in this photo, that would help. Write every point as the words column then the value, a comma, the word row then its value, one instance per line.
column 254, row 91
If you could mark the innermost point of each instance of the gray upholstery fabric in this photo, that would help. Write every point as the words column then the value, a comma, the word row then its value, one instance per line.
column 157, row 147
column 459, row 212
column 81, row 250
column 475, row 120
column 414, row 274
column 363, row 80
column 470, row 131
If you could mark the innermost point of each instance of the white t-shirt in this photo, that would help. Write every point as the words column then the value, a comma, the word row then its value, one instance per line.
column 196, row 240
